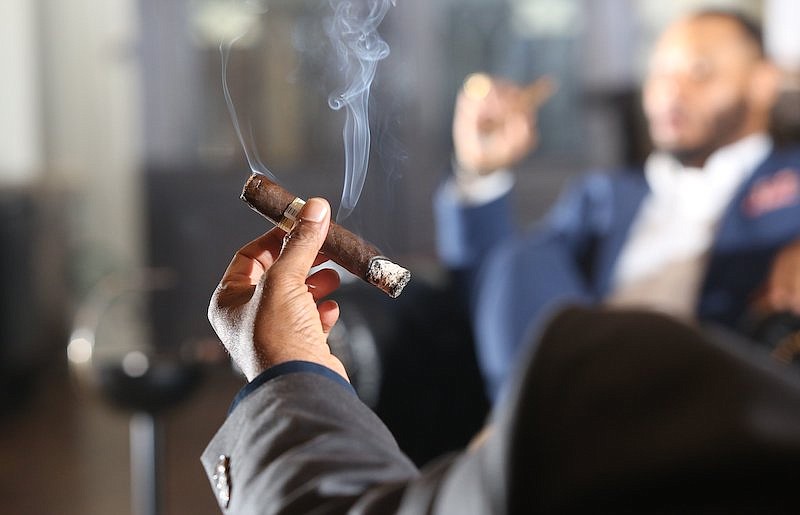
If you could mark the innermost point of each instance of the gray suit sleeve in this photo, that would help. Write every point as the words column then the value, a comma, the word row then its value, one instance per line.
column 303, row 444
column 612, row 412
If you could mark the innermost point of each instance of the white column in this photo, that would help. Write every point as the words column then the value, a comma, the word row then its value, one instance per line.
column 93, row 132
column 781, row 32
column 20, row 138
column 609, row 57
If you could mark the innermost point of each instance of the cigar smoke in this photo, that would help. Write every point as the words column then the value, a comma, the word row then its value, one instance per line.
column 358, row 47
column 353, row 31
column 248, row 142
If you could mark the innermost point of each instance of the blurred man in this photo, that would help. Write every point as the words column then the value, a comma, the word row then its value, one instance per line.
column 614, row 413
column 710, row 224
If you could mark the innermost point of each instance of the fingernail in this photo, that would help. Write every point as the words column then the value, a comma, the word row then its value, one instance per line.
column 314, row 210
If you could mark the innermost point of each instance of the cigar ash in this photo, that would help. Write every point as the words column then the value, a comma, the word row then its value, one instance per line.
column 388, row 276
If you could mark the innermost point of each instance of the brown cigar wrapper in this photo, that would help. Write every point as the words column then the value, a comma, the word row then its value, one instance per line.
column 342, row 246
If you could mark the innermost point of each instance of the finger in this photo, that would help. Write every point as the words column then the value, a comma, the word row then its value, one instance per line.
column 328, row 315
column 774, row 290
column 251, row 261
column 301, row 246
column 539, row 91
column 323, row 283
column 776, row 296
column 229, row 296
column 321, row 258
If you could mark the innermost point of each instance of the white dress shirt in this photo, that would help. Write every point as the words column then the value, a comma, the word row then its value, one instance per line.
column 471, row 189
column 663, row 262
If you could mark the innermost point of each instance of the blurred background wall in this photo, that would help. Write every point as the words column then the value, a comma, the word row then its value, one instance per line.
column 117, row 154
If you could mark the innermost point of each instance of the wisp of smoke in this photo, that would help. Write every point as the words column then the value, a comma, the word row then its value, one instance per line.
column 249, row 144
column 353, row 31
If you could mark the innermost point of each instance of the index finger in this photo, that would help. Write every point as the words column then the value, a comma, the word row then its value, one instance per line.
column 251, row 261
column 254, row 259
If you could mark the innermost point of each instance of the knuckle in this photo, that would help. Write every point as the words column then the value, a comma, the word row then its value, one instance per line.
column 303, row 235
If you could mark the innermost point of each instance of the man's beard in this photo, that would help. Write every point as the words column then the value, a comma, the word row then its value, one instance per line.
column 725, row 128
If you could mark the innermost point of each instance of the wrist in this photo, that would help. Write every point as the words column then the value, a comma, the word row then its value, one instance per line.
column 270, row 355
column 464, row 172
column 475, row 189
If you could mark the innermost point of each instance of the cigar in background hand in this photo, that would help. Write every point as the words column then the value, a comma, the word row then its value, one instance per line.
column 531, row 96
column 342, row 246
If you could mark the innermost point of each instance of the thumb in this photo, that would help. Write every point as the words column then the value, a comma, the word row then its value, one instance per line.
column 303, row 242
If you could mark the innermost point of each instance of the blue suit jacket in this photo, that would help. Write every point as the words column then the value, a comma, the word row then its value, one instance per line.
column 516, row 280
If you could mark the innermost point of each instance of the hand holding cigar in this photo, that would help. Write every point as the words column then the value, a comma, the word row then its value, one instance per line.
column 342, row 246
column 268, row 308
column 494, row 125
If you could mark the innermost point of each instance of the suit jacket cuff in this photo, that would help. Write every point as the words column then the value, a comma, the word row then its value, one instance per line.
column 289, row 367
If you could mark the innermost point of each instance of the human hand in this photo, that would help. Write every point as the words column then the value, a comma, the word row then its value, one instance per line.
column 783, row 286
column 494, row 125
column 265, row 309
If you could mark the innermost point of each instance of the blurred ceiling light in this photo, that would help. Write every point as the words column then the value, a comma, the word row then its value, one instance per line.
column 79, row 350
column 545, row 18
column 217, row 21
column 135, row 364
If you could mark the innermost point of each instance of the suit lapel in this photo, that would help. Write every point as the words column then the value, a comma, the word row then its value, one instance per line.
column 763, row 194
column 763, row 216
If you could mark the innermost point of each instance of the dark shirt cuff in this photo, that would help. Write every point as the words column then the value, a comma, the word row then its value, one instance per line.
column 289, row 367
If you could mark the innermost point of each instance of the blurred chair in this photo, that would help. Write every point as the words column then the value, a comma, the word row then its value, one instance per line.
column 779, row 333
column 111, row 354
column 412, row 360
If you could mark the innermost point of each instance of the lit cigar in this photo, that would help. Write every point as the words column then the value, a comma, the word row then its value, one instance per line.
column 342, row 246
column 478, row 86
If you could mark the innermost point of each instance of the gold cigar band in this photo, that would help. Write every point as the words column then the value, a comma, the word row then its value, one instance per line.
column 290, row 214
